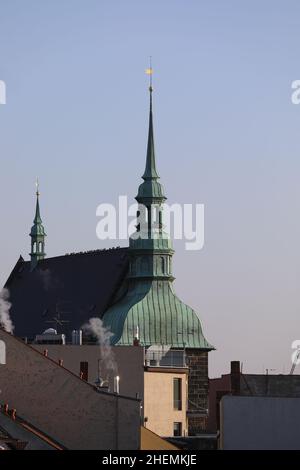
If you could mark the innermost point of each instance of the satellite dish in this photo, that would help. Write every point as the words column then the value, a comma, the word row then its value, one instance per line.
column 50, row 331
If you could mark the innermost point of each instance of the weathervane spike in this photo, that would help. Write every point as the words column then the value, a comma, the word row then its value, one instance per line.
column 149, row 72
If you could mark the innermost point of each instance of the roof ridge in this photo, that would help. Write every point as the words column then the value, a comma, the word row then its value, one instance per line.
column 68, row 370
column 78, row 253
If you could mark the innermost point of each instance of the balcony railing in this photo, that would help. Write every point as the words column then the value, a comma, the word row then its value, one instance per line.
column 171, row 358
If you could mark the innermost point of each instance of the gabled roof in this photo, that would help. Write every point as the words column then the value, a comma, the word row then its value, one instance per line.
column 76, row 286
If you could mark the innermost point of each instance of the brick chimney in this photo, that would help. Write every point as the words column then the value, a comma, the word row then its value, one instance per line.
column 235, row 374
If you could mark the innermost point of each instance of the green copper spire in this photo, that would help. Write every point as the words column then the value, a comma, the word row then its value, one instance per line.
column 150, row 170
column 37, row 234
column 37, row 218
column 150, row 190
column 150, row 247
column 149, row 301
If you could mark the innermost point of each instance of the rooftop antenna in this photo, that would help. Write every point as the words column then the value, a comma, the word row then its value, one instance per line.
column 56, row 319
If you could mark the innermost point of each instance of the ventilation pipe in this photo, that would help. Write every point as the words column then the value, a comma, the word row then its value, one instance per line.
column 77, row 337
column 117, row 384
column 136, row 340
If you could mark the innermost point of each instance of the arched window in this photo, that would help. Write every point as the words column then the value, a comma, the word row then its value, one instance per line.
column 149, row 217
column 160, row 218
column 34, row 247
column 2, row 352
column 40, row 247
column 138, row 225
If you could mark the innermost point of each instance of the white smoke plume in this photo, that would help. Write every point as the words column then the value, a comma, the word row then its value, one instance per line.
column 96, row 328
column 5, row 320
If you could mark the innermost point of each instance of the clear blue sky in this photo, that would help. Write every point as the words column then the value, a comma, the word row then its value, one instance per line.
column 227, row 136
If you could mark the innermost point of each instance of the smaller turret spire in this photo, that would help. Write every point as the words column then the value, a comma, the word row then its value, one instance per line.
column 37, row 234
column 37, row 218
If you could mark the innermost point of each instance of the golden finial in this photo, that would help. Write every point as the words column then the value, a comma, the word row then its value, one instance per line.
column 149, row 72
column 37, row 185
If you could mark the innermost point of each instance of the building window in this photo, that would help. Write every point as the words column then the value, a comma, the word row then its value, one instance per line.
column 84, row 371
column 138, row 226
column 2, row 352
column 177, row 429
column 160, row 218
column 177, row 393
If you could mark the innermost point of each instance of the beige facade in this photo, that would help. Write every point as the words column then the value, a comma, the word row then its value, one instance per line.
column 159, row 411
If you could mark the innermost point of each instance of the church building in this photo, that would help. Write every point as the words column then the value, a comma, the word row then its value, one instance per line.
column 130, row 289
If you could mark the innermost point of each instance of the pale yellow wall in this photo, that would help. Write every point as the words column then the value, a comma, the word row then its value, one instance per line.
column 158, row 402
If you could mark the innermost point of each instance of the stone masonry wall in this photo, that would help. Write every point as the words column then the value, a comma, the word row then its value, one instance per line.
column 197, row 361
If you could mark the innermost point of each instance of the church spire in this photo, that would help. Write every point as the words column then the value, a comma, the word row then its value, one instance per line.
column 37, row 219
column 150, row 302
column 150, row 170
column 150, row 246
column 150, row 191
column 37, row 234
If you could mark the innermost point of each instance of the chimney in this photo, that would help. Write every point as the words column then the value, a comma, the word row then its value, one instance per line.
column 117, row 384
column 60, row 362
column 235, row 377
column 45, row 352
column 136, row 340
column 77, row 337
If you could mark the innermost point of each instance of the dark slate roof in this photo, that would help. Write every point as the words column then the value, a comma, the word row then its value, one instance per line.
column 78, row 286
